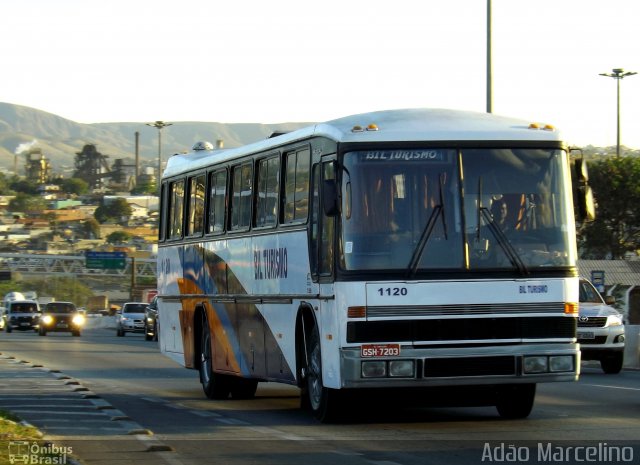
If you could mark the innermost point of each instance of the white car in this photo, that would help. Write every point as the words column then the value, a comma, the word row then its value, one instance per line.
column 600, row 329
column 131, row 318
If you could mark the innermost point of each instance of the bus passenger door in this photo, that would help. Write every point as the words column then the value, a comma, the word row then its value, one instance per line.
column 326, row 315
column 322, row 231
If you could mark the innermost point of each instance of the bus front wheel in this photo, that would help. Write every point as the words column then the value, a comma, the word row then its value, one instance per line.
column 323, row 402
column 214, row 385
column 516, row 400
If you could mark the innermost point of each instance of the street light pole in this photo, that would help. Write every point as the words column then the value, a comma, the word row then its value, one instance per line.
column 618, row 74
column 159, row 125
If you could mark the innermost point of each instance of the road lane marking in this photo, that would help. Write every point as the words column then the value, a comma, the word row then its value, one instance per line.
column 614, row 387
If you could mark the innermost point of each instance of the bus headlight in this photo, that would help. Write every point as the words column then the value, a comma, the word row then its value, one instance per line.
column 47, row 320
column 401, row 368
column 374, row 369
column 78, row 320
column 560, row 363
column 537, row 364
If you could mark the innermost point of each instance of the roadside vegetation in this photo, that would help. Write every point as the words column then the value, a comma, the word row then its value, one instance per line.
column 11, row 429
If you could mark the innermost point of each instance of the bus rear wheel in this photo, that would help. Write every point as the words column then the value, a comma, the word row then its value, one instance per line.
column 515, row 401
column 214, row 385
column 325, row 403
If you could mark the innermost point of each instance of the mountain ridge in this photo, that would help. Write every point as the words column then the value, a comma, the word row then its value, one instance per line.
column 60, row 139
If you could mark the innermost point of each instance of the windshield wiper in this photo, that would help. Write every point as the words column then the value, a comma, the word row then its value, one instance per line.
column 438, row 211
column 499, row 234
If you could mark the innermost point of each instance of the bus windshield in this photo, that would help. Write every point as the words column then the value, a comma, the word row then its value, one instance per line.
column 447, row 209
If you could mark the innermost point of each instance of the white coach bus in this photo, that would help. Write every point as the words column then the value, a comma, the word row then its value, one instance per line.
column 387, row 251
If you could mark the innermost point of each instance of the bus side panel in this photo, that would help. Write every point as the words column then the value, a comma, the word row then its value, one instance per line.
column 328, row 321
column 280, row 269
column 222, row 317
column 191, row 283
column 170, row 261
column 250, row 339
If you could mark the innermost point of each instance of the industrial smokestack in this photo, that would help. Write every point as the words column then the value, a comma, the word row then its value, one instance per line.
column 137, row 154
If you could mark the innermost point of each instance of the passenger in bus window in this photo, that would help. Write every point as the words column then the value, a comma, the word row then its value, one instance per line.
column 499, row 213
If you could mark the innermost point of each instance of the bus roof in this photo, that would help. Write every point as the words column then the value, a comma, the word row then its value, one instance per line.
column 386, row 126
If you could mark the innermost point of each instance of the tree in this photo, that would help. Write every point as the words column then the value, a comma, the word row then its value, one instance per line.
column 616, row 188
column 24, row 185
column 145, row 188
column 91, row 229
column 118, row 237
column 27, row 203
column 62, row 289
column 118, row 211
column 75, row 186
column 4, row 185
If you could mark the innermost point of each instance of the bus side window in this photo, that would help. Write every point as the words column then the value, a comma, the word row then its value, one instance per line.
column 267, row 192
column 196, row 206
column 176, row 209
column 241, row 196
column 217, row 201
column 296, row 186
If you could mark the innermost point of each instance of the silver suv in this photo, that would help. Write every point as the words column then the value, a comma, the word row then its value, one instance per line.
column 600, row 329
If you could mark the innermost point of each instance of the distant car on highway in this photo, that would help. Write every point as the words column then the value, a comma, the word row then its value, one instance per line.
column 600, row 329
column 130, row 318
column 22, row 315
column 151, row 320
column 61, row 316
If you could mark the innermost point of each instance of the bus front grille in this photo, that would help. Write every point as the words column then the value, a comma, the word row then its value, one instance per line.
column 462, row 329
column 407, row 311
column 470, row 366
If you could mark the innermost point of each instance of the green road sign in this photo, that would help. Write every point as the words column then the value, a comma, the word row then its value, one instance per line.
column 106, row 260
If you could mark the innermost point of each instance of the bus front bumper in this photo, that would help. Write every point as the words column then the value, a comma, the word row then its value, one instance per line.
column 423, row 367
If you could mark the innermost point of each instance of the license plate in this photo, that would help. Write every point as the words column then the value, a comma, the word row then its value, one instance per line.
column 586, row 335
column 25, row 324
column 63, row 325
column 380, row 350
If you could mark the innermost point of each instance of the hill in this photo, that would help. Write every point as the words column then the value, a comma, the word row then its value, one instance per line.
column 59, row 138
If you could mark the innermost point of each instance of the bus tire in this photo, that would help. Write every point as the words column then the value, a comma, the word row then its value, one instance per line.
column 214, row 385
column 243, row 388
column 324, row 402
column 515, row 401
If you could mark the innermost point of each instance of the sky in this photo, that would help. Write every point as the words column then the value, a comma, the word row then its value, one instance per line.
column 258, row 61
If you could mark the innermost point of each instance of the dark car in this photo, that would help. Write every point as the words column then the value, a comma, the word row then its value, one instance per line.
column 61, row 316
column 22, row 315
column 151, row 320
column 131, row 318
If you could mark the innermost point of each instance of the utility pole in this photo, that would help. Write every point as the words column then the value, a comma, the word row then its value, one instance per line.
column 159, row 125
column 618, row 74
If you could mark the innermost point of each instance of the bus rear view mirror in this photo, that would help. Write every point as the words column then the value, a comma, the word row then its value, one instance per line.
column 330, row 197
column 586, row 205
column 582, row 174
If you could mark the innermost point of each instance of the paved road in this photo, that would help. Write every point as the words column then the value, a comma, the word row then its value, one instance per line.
column 118, row 400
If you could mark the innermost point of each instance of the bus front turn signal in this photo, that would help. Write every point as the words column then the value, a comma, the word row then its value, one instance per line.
column 571, row 308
